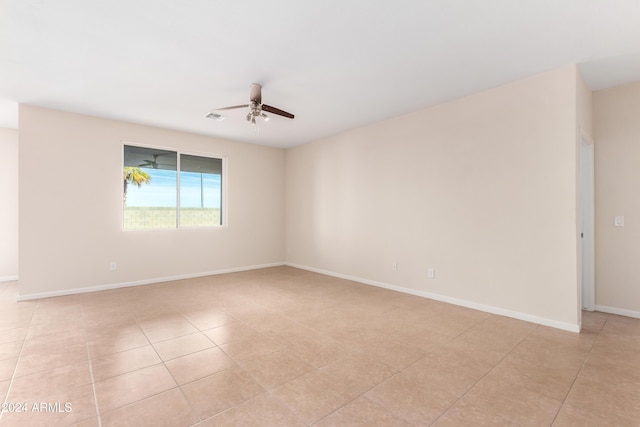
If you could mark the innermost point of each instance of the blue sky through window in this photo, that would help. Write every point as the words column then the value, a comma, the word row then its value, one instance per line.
column 161, row 191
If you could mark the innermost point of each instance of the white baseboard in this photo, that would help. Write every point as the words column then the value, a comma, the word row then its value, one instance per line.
column 8, row 278
column 98, row 288
column 618, row 311
column 455, row 301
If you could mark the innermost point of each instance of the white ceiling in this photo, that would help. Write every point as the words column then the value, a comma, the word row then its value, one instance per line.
column 335, row 64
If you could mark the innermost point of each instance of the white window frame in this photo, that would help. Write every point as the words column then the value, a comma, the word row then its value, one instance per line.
column 224, row 217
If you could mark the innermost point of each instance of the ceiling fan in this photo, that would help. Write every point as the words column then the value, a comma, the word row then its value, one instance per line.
column 153, row 164
column 256, row 108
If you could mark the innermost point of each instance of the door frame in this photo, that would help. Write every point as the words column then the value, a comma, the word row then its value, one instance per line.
column 587, row 222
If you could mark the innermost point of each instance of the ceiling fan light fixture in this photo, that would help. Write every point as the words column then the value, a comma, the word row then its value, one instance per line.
column 264, row 116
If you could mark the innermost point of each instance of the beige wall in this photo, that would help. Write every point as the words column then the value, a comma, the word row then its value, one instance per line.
column 482, row 189
column 617, row 150
column 9, row 204
column 75, row 162
column 584, row 100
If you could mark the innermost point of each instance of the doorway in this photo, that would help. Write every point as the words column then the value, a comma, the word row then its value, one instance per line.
column 587, row 222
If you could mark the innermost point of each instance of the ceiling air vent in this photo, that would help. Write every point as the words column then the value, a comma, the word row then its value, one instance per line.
column 215, row 116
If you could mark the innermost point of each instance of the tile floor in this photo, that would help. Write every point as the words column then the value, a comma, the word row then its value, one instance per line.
column 287, row 347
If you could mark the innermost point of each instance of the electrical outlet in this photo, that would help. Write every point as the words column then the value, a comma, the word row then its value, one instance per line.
column 394, row 266
column 113, row 266
column 431, row 273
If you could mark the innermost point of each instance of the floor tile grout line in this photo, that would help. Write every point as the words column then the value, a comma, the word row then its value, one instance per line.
column 144, row 398
column 93, row 382
column 238, row 365
column 15, row 368
column 362, row 395
column 161, row 362
column 178, row 385
column 386, row 379
column 485, row 375
column 584, row 362
column 266, row 393
column 118, row 352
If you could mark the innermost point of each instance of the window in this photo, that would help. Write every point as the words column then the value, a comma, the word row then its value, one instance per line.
column 169, row 189
column 200, row 190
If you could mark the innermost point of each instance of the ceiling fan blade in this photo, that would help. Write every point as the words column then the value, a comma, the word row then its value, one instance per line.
column 231, row 108
column 274, row 110
column 256, row 93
